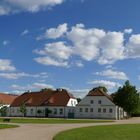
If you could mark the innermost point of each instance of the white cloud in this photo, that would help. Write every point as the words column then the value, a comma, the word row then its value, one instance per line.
column 55, row 54
column 17, row 87
column 21, row 75
column 34, row 86
column 15, row 6
column 56, row 50
column 90, row 44
column 112, row 48
column 128, row 31
column 108, row 84
column 4, row 10
column 51, row 61
column 113, row 74
column 41, row 85
column 54, row 33
column 25, row 32
column 133, row 46
column 96, row 44
column 79, row 64
column 85, row 41
column 6, row 42
column 6, row 65
column 79, row 92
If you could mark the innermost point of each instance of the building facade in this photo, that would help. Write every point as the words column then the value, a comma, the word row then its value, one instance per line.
column 50, row 103
column 97, row 104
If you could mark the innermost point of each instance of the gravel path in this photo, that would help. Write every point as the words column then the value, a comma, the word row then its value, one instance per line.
column 47, row 131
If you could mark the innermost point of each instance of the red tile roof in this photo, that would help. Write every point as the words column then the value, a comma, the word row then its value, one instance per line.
column 49, row 98
column 6, row 98
column 98, row 92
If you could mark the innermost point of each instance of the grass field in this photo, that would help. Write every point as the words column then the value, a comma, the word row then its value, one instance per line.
column 52, row 121
column 112, row 132
column 4, row 126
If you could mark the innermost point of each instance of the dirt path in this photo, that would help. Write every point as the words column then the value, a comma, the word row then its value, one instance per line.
column 47, row 131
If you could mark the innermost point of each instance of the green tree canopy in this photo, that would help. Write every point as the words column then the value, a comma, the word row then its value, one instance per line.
column 103, row 88
column 127, row 97
column 23, row 109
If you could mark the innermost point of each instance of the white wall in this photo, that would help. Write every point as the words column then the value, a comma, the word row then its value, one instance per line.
column 15, row 111
column 72, row 102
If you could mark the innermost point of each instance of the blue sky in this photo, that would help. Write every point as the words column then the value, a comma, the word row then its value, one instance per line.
column 74, row 44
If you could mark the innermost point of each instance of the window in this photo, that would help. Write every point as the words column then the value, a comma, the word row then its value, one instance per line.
column 31, row 111
column 61, row 111
column 72, row 110
column 91, row 101
column 18, row 111
column 91, row 109
column 55, row 111
column 86, row 109
column 104, row 110
column 99, row 102
column 72, row 103
column 13, row 111
column 110, row 110
column 99, row 110
column 81, row 110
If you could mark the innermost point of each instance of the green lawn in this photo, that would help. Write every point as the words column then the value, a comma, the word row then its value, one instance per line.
column 52, row 121
column 112, row 132
column 4, row 126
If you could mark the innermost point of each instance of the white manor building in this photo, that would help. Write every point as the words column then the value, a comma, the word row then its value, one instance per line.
column 49, row 103
column 61, row 104
column 98, row 104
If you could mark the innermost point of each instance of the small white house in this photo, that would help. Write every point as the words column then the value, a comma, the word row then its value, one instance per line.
column 50, row 103
column 98, row 104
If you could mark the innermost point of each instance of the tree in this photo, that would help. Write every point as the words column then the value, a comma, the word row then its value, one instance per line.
column 103, row 88
column 78, row 100
column 3, row 110
column 127, row 97
column 47, row 112
column 46, row 89
column 23, row 109
column 39, row 112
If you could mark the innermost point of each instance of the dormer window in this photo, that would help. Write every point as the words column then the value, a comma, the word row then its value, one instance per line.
column 99, row 102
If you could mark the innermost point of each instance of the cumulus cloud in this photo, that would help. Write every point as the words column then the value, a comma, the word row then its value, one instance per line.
column 113, row 74
column 112, row 48
column 51, row 61
column 85, row 41
column 55, row 54
column 6, row 65
column 88, row 44
column 128, row 31
column 96, row 44
column 58, row 50
column 15, row 6
column 54, row 33
column 133, row 46
column 108, row 84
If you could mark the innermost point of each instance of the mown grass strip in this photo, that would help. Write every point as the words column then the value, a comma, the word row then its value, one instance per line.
column 53, row 121
column 4, row 126
column 111, row 132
